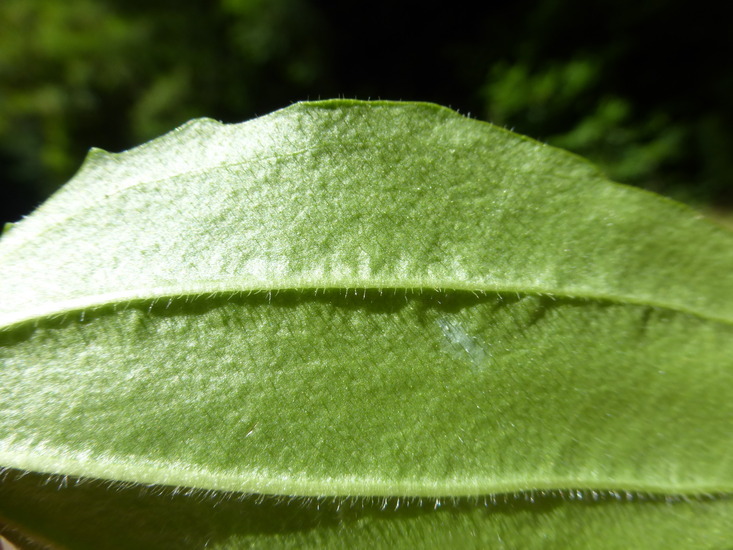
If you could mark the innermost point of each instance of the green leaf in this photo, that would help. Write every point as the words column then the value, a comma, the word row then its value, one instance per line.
column 384, row 303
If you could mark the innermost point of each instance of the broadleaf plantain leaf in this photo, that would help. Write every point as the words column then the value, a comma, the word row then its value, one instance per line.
column 384, row 303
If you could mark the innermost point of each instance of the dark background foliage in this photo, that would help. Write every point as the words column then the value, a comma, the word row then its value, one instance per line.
column 638, row 87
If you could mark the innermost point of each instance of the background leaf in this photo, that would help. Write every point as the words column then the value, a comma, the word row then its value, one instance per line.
column 354, row 299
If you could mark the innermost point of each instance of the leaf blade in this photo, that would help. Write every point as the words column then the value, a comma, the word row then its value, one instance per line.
column 269, row 368
column 355, row 299
column 278, row 247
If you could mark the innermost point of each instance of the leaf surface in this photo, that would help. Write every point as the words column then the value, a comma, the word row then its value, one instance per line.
column 357, row 299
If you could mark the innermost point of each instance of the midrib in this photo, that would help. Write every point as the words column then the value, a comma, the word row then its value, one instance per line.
column 153, row 472
column 210, row 289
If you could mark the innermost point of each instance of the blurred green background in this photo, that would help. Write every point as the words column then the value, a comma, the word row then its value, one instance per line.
column 642, row 88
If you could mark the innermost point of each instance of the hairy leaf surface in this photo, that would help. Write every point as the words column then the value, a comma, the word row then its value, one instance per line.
column 371, row 299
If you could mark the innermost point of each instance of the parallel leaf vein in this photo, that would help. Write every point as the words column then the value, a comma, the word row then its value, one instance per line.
column 121, row 300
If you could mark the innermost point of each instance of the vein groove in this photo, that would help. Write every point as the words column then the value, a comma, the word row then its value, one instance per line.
column 118, row 300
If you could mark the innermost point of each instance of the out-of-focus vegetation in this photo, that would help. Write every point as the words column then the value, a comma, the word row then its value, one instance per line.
column 635, row 86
